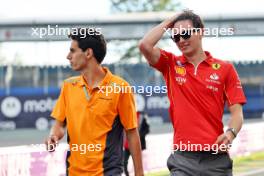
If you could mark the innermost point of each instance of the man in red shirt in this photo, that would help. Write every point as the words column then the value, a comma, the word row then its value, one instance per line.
column 198, row 87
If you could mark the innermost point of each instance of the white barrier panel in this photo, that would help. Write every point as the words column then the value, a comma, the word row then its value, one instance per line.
column 250, row 139
column 32, row 160
column 35, row 161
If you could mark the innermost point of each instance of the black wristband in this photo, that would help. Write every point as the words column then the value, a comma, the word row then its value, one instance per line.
column 232, row 130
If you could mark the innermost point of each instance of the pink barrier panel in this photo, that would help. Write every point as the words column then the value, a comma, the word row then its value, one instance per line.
column 35, row 161
column 32, row 161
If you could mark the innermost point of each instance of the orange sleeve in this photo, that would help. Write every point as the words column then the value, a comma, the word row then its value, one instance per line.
column 59, row 111
column 127, row 110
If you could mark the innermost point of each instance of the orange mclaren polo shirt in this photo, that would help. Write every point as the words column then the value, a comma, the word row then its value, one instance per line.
column 95, row 120
column 197, row 97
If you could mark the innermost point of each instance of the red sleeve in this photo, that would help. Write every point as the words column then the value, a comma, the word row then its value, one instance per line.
column 163, row 62
column 233, row 88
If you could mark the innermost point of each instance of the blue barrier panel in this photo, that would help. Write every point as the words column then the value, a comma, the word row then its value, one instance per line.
column 31, row 107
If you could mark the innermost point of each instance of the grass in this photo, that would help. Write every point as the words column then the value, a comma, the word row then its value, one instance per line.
column 241, row 164
column 161, row 173
column 252, row 157
column 251, row 162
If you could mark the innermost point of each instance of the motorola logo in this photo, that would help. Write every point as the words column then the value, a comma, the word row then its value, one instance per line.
column 11, row 107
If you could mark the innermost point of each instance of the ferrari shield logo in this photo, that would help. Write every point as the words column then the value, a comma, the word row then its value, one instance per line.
column 216, row 66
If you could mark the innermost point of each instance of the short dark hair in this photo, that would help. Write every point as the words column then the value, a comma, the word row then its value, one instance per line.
column 189, row 15
column 90, row 38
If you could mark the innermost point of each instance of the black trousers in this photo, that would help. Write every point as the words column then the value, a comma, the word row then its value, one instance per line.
column 126, row 157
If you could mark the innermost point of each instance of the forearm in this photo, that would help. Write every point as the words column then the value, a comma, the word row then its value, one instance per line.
column 147, row 44
column 236, row 119
column 57, row 129
column 135, row 150
column 155, row 34
column 56, row 133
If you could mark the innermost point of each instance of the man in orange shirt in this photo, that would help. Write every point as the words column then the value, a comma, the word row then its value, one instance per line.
column 93, row 114
column 198, row 86
column 143, row 128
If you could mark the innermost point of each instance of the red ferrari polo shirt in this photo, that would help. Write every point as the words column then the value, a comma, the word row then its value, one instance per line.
column 197, row 96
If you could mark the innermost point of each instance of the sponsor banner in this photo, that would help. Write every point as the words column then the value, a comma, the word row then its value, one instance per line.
column 34, row 111
column 26, row 111
column 156, row 106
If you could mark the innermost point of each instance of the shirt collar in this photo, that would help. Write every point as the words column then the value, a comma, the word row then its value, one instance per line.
column 103, row 83
column 208, row 60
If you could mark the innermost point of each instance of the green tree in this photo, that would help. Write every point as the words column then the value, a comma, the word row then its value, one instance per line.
column 144, row 5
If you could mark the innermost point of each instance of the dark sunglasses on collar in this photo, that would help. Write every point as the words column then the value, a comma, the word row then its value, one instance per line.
column 184, row 35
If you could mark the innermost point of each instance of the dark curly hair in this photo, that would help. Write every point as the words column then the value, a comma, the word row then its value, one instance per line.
column 189, row 15
column 90, row 38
